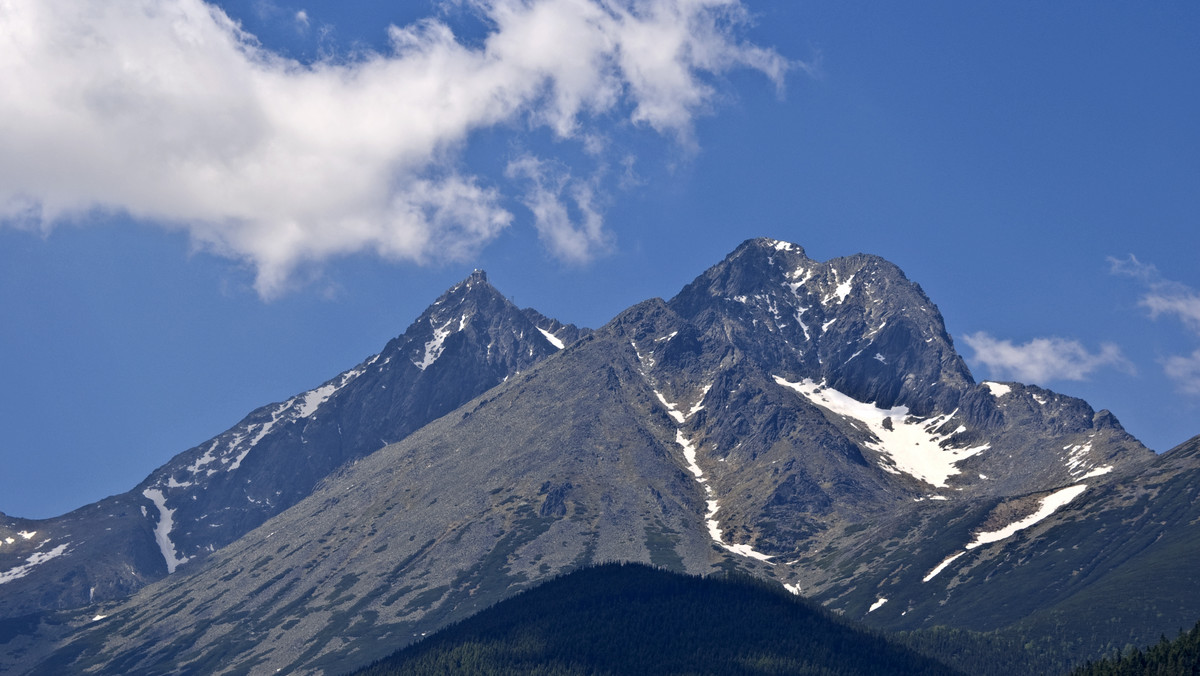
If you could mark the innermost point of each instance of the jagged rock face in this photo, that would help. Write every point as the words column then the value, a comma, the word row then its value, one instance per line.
column 745, row 423
column 468, row 341
column 854, row 323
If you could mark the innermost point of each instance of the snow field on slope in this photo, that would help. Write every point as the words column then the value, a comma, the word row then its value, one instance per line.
column 35, row 559
column 997, row 389
column 1049, row 505
column 162, row 529
column 912, row 444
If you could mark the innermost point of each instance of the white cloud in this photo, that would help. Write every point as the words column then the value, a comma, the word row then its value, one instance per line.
column 1185, row 371
column 1163, row 296
column 573, row 239
column 167, row 111
column 301, row 18
column 1042, row 360
column 1167, row 297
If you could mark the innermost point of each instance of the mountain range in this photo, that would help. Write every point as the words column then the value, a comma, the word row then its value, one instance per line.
column 807, row 423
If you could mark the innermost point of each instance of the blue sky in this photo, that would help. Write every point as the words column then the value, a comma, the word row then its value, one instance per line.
column 205, row 211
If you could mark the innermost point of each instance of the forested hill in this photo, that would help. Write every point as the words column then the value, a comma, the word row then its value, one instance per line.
column 622, row 619
column 1180, row 657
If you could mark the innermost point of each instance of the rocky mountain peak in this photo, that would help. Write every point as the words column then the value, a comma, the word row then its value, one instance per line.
column 805, row 421
column 469, row 340
column 856, row 323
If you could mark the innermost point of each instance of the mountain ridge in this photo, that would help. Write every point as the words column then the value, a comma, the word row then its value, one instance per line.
column 207, row 496
column 731, row 427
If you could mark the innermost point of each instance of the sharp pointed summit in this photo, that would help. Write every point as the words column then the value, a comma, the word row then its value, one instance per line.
column 468, row 341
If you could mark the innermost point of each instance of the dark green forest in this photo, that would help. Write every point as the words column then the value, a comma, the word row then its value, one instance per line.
column 1180, row 657
column 630, row 619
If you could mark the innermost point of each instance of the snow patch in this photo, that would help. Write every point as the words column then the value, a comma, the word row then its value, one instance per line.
column 315, row 398
column 204, row 459
column 35, row 559
column 671, row 409
column 27, row 534
column 877, row 605
column 997, row 389
column 794, row 588
column 162, row 529
column 714, row 526
column 913, row 445
column 689, row 454
column 800, row 320
column 699, row 405
column 941, row 566
column 843, row 290
column 1077, row 462
column 1049, row 504
column 875, row 330
column 98, row 618
column 433, row 348
column 263, row 429
column 552, row 338
column 1099, row 471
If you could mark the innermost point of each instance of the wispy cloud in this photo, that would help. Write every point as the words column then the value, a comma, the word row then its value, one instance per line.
column 1043, row 360
column 1168, row 297
column 573, row 238
column 169, row 112
column 1163, row 296
column 1185, row 371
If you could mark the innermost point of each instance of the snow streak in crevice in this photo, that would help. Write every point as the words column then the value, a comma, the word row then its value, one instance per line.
column 554, row 340
column 162, row 529
column 941, row 566
column 689, row 456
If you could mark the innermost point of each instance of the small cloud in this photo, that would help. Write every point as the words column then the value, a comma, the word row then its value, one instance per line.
column 1042, row 360
column 573, row 232
column 266, row 9
column 1168, row 297
column 1163, row 296
column 302, row 22
column 1132, row 267
column 1185, row 371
